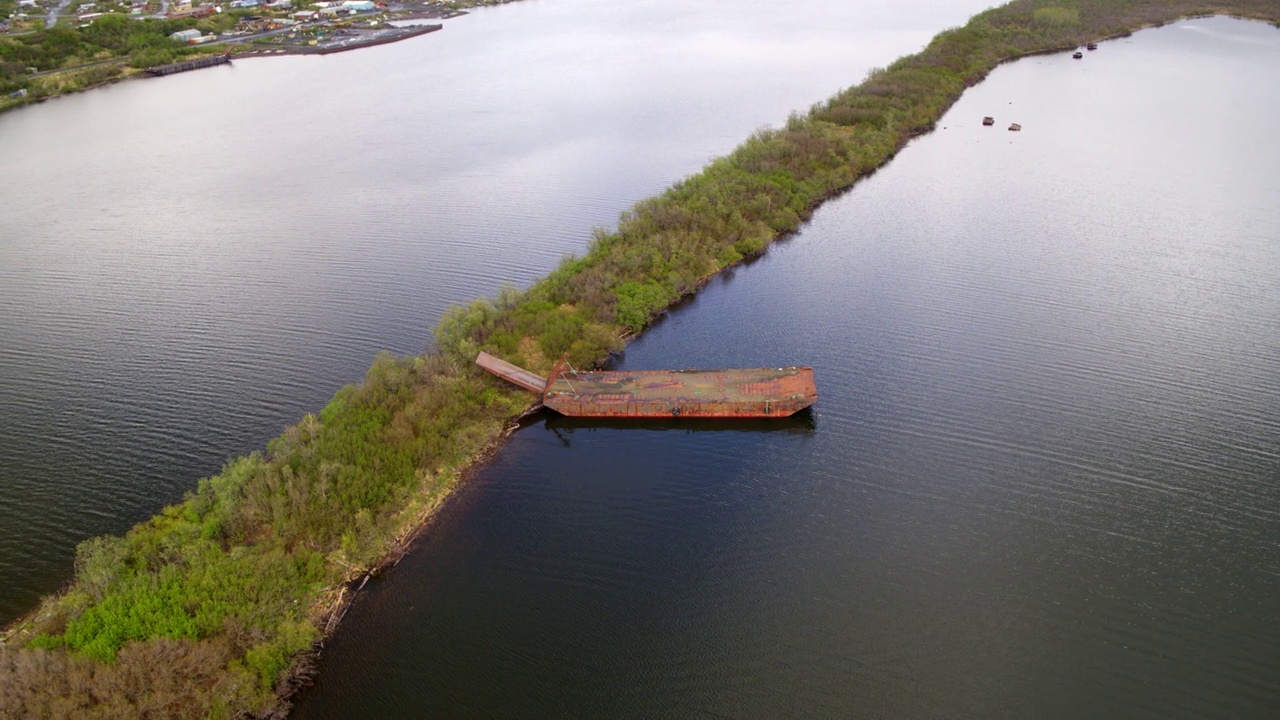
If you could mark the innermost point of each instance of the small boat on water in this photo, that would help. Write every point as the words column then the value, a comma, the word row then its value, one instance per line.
column 1015, row 127
column 742, row 393
column 1077, row 55
column 1091, row 46
column 988, row 120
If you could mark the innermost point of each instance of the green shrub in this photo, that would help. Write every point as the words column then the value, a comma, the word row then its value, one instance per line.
column 1057, row 16
column 639, row 302
column 267, row 660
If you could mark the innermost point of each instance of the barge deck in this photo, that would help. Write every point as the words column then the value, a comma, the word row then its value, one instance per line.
column 747, row 392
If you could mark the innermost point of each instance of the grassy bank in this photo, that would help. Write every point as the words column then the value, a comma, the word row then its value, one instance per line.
column 106, row 49
column 209, row 608
column 67, row 58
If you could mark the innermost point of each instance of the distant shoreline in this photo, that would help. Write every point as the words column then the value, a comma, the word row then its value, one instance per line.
column 329, row 49
column 101, row 73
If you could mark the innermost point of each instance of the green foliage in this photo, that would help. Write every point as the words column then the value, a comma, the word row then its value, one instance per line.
column 639, row 303
column 141, row 43
column 12, row 76
column 1057, row 16
column 147, row 607
column 194, row 594
column 269, row 659
column 151, row 57
column 460, row 324
column 113, row 31
column 214, row 503
column 99, row 562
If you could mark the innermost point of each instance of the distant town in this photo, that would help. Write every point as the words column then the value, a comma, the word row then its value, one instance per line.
column 52, row 47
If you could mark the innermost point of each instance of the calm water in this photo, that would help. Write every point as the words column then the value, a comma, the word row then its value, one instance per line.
column 1042, row 479
column 187, row 265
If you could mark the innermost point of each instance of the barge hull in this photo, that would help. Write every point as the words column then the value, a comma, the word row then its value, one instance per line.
column 187, row 65
column 675, row 408
column 739, row 393
column 755, row 392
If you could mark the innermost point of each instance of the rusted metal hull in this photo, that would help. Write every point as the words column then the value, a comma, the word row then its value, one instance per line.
column 801, row 423
column 742, row 393
column 746, row 393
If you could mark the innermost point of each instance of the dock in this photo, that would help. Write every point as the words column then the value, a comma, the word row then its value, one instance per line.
column 731, row 393
column 512, row 373
column 365, row 38
column 185, row 65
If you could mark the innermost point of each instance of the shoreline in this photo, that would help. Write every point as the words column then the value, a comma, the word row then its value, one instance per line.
column 104, row 73
column 332, row 612
column 863, row 128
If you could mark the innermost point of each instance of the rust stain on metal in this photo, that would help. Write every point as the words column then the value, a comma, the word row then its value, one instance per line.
column 751, row 392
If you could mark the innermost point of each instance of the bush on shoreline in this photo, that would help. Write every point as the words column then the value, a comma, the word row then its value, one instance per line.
column 207, row 607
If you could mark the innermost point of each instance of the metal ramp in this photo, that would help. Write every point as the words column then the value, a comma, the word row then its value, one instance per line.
column 512, row 373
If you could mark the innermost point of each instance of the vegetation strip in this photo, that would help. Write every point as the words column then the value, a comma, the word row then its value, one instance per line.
column 215, row 606
column 64, row 58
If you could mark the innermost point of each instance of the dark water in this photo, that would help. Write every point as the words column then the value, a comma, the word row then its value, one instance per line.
column 189, row 264
column 1043, row 478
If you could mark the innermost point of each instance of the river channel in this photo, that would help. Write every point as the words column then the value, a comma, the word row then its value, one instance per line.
column 1041, row 480
column 189, row 264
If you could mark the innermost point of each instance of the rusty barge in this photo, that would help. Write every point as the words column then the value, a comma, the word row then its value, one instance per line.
column 741, row 393
column 186, row 65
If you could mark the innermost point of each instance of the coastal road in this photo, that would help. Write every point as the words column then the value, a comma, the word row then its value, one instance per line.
column 52, row 18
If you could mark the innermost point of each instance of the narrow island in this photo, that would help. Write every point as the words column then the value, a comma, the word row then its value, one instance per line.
column 217, row 605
